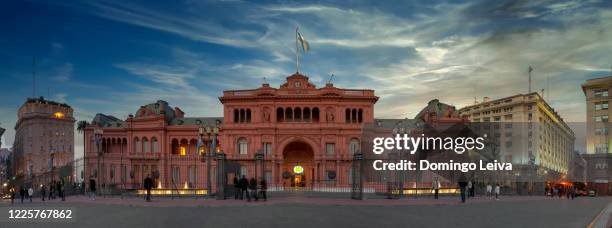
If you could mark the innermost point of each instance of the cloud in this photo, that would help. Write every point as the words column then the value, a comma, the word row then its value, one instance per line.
column 63, row 72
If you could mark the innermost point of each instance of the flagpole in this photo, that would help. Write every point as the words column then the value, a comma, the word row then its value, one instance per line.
column 297, row 57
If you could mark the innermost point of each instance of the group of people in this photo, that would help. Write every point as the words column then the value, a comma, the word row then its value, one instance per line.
column 249, row 188
column 56, row 189
column 569, row 191
column 468, row 190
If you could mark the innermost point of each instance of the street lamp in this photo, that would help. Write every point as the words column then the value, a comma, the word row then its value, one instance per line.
column 209, row 155
column 98, row 138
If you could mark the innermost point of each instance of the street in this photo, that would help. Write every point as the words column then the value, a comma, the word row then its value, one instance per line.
column 304, row 212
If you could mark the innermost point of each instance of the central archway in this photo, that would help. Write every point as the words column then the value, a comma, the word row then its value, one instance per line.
column 298, row 165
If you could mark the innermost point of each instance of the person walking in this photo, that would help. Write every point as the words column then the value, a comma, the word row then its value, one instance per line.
column 473, row 190
column 148, row 185
column 22, row 193
column 30, row 193
column 236, row 188
column 489, row 190
column 253, row 188
column 92, row 189
column 436, row 187
column 264, row 189
column 51, row 188
column 43, row 191
column 12, row 192
column 244, row 183
column 462, row 186
column 469, row 189
column 497, row 191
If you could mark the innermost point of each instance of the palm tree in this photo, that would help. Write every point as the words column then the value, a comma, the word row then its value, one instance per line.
column 81, row 125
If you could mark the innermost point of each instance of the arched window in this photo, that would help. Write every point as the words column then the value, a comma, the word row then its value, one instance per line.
column 289, row 114
column 183, row 147
column 347, row 115
column 248, row 115
column 242, row 115
column 154, row 145
column 137, row 145
column 279, row 115
column 354, row 146
column 243, row 146
column 175, row 146
column 145, row 145
column 236, row 116
column 360, row 116
column 297, row 114
column 315, row 115
column 354, row 116
column 306, row 115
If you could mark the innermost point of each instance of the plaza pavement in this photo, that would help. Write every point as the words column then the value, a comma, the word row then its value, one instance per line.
column 304, row 211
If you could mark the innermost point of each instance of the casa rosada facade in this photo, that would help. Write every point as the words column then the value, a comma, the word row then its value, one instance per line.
column 307, row 135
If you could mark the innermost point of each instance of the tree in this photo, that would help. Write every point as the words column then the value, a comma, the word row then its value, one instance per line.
column 81, row 125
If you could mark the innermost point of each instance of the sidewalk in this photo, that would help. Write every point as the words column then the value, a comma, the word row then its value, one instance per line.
column 200, row 202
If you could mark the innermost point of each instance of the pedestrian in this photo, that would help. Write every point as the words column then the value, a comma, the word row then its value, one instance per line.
column 473, row 189
column 12, row 191
column 253, row 188
column 148, row 185
column 497, row 190
column 264, row 189
column 469, row 189
column 43, row 191
column 436, row 187
column 489, row 190
column 30, row 193
column 244, row 183
column 236, row 188
column 462, row 186
column 51, row 187
column 22, row 193
column 92, row 189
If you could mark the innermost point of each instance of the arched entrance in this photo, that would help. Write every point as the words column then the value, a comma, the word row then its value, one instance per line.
column 298, row 165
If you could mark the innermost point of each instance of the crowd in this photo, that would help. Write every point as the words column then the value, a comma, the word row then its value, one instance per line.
column 55, row 189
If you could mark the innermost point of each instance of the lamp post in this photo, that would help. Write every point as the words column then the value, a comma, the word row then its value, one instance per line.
column 98, row 137
column 209, row 156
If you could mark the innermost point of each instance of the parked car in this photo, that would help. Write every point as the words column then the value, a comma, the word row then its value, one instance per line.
column 592, row 193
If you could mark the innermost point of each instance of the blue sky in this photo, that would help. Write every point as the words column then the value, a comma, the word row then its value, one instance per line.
column 112, row 57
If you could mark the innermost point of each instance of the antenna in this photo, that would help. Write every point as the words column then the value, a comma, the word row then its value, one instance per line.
column 330, row 78
column 530, row 70
column 33, row 76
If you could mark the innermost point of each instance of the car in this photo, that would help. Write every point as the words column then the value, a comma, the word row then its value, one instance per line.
column 592, row 193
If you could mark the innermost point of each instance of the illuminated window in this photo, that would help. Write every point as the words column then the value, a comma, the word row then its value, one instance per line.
column 183, row 151
column 58, row 115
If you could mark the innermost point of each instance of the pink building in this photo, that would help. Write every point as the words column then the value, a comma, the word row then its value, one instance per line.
column 307, row 136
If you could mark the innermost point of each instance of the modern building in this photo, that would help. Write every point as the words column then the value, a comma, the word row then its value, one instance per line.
column 306, row 134
column 44, row 137
column 530, row 133
column 598, row 153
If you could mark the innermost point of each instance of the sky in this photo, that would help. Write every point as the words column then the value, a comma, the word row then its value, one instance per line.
column 114, row 56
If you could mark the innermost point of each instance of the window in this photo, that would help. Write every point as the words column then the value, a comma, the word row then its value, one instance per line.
column 145, row 145
column 267, row 147
column 193, row 176
column 176, row 175
column 602, row 118
column 496, row 118
column 154, row 145
column 137, row 145
column 601, row 105
column 329, row 149
column 244, row 171
column 601, row 131
column 354, row 146
column 601, row 148
column 600, row 93
column 243, row 146
column 183, row 151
